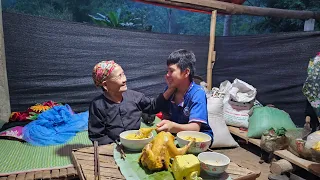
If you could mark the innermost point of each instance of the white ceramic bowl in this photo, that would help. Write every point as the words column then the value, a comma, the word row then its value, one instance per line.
column 134, row 144
column 213, row 163
column 196, row 147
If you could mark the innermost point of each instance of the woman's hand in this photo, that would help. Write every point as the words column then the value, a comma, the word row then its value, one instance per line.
column 170, row 84
column 171, row 90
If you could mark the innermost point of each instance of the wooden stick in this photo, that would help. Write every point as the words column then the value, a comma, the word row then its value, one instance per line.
column 71, row 171
column 120, row 149
column 96, row 161
column 211, row 53
column 230, row 8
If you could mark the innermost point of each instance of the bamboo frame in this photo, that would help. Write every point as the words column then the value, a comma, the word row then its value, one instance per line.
column 211, row 53
column 5, row 108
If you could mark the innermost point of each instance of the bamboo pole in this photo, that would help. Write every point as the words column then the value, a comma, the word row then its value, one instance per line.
column 211, row 53
column 230, row 8
column 96, row 161
column 5, row 110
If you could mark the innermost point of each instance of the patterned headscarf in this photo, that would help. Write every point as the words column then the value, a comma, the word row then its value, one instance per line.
column 102, row 70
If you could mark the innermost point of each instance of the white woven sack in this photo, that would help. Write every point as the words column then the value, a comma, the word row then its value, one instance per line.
column 235, row 116
column 222, row 136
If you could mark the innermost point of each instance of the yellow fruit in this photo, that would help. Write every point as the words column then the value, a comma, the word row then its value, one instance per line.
column 186, row 167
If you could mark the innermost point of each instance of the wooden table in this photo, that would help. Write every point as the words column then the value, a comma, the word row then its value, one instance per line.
column 84, row 163
column 235, row 171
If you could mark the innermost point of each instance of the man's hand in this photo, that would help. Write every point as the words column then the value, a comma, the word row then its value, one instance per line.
column 169, row 126
column 165, row 125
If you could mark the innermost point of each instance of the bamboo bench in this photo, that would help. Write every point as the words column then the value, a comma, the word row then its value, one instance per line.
column 310, row 166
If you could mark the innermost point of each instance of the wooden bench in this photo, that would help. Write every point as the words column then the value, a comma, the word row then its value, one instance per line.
column 63, row 173
column 310, row 166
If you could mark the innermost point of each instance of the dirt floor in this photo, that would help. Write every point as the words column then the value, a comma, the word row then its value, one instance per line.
column 247, row 159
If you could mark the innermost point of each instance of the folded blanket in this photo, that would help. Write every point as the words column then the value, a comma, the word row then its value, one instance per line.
column 55, row 126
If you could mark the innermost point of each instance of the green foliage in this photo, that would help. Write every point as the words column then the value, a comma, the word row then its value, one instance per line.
column 195, row 23
column 277, row 131
column 160, row 19
column 271, row 24
column 39, row 8
column 122, row 18
column 112, row 19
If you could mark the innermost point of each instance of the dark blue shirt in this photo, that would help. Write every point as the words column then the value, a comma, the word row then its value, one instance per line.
column 193, row 108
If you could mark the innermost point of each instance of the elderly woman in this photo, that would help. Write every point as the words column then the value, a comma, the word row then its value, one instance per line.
column 118, row 109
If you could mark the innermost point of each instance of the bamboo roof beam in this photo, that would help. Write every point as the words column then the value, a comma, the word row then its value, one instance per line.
column 229, row 8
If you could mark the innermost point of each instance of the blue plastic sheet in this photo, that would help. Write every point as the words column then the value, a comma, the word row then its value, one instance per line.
column 55, row 126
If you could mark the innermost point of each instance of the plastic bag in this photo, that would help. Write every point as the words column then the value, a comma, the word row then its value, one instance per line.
column 273, row 140
column 240, row 91
column 264, row 118
column 297, row 145
column 313, row 143
column 313, row 139
column 225, row 86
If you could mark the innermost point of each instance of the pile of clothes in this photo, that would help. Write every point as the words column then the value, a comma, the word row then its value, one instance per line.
column 49, row 123
column 32, row 112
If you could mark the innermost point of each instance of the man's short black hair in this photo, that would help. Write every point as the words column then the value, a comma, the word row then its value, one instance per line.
column 183, row 59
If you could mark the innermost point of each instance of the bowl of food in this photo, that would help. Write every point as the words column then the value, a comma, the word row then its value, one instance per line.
column 201, row 142
column 213, row 163
column 134, row 141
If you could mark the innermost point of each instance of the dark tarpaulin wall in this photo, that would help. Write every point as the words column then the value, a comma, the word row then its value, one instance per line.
column 274, row 64
column 52, row 60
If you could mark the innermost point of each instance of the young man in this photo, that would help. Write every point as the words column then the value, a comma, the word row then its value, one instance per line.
column 187, row 110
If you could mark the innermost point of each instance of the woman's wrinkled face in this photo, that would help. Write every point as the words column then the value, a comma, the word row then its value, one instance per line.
column 117, row 81
column 174, row 75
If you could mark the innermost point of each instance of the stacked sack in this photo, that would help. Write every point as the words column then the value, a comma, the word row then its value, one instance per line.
column 239, row 99
column 235, row 104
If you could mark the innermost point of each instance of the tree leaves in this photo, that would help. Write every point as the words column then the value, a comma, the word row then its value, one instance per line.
column 132, row 15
